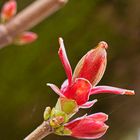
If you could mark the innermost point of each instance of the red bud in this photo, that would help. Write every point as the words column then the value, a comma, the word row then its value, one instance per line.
column 26, row 37
column 8, row 10
column 93, row 64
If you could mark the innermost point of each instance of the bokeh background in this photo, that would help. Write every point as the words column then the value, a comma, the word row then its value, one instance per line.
column 25, row 70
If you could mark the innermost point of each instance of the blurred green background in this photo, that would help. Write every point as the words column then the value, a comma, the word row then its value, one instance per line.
column 25, row 70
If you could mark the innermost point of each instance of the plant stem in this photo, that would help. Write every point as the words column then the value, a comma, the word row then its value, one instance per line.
column 40, row 132
column 28, row 18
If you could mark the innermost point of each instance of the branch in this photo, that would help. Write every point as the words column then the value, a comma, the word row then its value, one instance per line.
column 40, row 132
column 28, row 18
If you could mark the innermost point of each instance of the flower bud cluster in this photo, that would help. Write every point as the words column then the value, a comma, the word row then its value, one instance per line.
column 75, row 92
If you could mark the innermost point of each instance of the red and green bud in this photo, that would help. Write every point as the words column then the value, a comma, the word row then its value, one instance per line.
column 87, row 75
column 8, row 10
column 75, row 92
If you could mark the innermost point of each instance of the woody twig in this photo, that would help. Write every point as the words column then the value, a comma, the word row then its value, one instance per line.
column 28, row 18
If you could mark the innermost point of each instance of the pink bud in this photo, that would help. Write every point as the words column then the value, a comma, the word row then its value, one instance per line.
column 88, row 127
column 8, row 10
column 93, row 64
column 26, row 37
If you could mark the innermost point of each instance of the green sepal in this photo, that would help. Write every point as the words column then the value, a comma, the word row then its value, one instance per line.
column 66, row 105
column 62, row 131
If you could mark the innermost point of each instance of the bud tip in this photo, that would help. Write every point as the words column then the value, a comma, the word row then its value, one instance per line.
column 60, row 39
column 103, row 44
column 129, row 92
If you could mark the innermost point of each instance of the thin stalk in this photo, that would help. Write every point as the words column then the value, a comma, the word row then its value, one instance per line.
column 40, row 132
